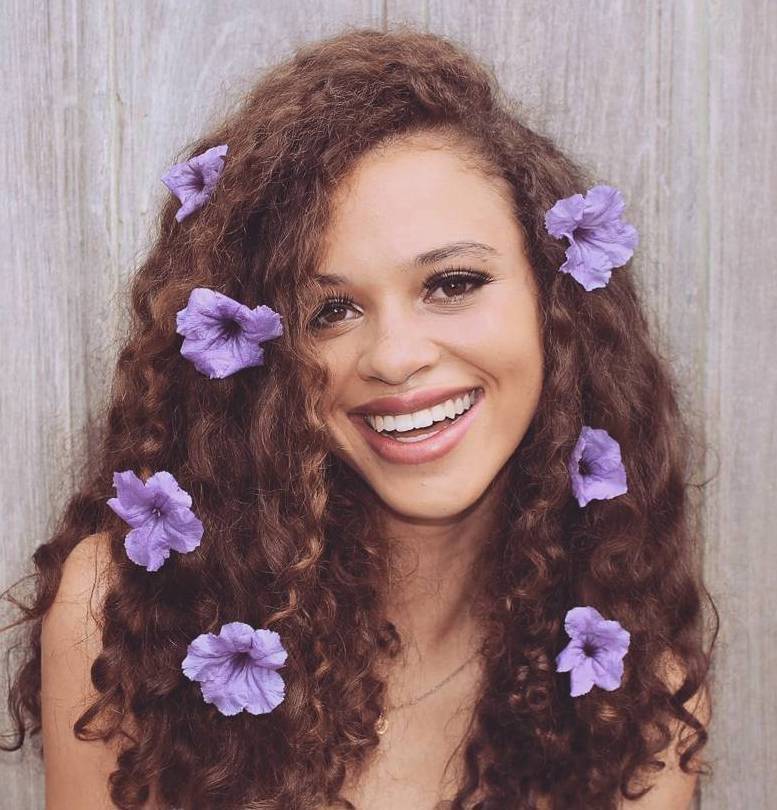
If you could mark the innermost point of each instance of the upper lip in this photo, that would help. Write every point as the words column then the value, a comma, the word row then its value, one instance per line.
column 410, row 402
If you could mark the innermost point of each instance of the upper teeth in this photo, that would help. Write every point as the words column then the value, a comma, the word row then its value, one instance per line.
column 423, row 418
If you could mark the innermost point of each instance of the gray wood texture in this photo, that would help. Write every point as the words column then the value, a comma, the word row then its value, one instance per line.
column 672, row 102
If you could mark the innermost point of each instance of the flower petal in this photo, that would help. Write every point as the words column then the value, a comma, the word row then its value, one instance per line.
column 236, row 668
column 221, row 335
column 604, row 476
column 160, row 516
column 580, row 620
column 609, row 246
column 609, row 643
column 254, row 688
column 603, row 206
column 267, row 650
column 570, row 657
column 146, row 545
column 610, row 636
column 599, row 239
column 134, row 503
column 193, row 180
column 582, row 265
column 582, row 678
column 607, row 671
column 163, row 483
column 183, row 529
column 209, row 657
column 237, row 636
column 565, row 216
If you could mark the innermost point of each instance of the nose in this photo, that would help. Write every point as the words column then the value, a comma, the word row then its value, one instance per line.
column 398, row 346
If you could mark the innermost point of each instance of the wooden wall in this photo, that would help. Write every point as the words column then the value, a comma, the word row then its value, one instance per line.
column 672, row 102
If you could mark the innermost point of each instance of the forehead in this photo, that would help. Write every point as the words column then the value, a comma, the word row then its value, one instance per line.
column 412, row 196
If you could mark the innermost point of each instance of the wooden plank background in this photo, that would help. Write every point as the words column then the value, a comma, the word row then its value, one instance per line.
column 672, row 102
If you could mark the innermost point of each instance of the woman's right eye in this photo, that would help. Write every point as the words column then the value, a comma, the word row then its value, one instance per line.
column 338, row 301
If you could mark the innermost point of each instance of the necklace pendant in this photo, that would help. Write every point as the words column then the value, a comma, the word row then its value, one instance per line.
column 381, row 724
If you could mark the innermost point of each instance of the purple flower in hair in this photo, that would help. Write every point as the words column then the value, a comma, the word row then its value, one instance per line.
column 193, row 180
column 160, row 515
column 599, row 239
column 595, row 466
column 236, row 669
column 221, row 335
column 595, row 653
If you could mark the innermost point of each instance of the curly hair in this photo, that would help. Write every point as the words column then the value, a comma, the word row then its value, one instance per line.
column 290, row 541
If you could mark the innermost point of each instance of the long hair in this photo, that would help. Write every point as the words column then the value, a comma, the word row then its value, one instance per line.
column 290, row 540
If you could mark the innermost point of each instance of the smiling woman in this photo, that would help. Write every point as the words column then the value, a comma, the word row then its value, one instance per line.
column 416, row 331
column 403, row 520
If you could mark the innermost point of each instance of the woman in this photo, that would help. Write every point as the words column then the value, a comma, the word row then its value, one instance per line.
column 422, row 531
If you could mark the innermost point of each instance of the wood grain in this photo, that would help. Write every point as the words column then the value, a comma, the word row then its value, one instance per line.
column 672, row 102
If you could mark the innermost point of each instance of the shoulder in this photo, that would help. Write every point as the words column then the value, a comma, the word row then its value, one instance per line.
column 71, row 639
column 87, row 566
column 70, row 627
column 89, row 560
column 85, row 579
column 672, row 788
column 672, row 672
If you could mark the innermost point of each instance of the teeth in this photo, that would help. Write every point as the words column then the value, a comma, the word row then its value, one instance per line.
column 425, row 417
column 438, row 412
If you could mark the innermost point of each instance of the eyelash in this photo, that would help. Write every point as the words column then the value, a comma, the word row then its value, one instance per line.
column 458, row 274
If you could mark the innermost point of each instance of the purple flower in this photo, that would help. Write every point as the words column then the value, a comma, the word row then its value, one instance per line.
column 193, row 180
column 222, row 335
column 599, row 239
column 595, row 653
column 159, row 514
column 236, row 668
column 595, row 466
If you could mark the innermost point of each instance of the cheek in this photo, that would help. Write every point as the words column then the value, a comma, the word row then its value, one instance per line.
column 513, row 339
column 341, row 371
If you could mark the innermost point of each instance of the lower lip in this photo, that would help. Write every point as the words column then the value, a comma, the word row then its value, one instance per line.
column 422, row 451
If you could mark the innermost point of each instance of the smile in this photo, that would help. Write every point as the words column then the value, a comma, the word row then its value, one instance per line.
column 420, row 420
column 426, row 443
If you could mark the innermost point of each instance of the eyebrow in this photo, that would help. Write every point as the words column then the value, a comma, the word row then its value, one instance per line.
column 438, row 254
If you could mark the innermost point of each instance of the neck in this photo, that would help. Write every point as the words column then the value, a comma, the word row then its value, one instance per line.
column 431, row 594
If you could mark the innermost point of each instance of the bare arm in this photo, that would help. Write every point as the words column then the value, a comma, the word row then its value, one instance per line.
column 76, row 772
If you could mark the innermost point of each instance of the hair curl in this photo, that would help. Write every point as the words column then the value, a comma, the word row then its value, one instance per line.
column 290, row 542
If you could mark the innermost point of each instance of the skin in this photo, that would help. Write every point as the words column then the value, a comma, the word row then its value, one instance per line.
column 402, row 200
column 397, row 337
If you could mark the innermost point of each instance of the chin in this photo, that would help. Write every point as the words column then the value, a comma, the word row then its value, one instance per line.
column 419, row 502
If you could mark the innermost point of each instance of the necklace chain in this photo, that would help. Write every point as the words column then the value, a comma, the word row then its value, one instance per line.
column 382, row 723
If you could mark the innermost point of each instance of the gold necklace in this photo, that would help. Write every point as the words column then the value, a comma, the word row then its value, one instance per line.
column 381, row 724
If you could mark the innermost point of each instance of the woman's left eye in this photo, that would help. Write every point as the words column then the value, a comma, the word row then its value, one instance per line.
column 455, row 277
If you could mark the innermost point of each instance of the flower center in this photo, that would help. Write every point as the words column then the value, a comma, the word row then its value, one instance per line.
column 231, row 329
column 589, row 649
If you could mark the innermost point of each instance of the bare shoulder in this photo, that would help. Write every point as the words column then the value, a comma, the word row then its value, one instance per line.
column 76, row 772
column 77, row 606
column 672, row 788
column 87, row 568
column 91, row 556
column 672, row 672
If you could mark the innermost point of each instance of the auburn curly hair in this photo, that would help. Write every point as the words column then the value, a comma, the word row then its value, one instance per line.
column 290, row 543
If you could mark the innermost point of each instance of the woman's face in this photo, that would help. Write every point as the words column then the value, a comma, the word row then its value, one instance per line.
column 409, row 334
